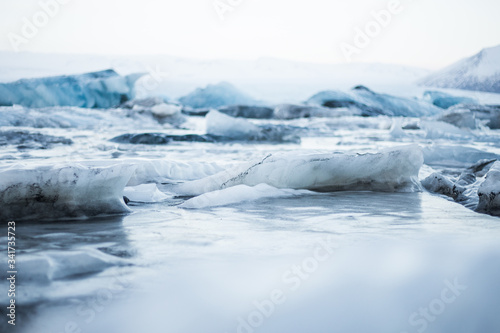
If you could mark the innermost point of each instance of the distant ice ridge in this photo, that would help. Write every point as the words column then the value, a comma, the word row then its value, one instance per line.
column 369, row 103
column 480, row 72
column 238, row 194
column 66, row 191
column 389, row 170
column 104, row 89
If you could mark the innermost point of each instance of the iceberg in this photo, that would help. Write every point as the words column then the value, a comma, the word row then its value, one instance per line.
column 70, row 191
column 158, row 108
column 216, row 95
column 104, row 89
column 368, row 103
column 389, row 170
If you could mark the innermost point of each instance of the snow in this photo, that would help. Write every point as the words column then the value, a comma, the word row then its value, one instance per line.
column 480, row 72
column 389, row 170
column 62, row 191
column 103, row 89
column 238, row 194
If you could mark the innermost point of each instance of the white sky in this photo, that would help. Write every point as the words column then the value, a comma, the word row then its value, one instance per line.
column 427, row 33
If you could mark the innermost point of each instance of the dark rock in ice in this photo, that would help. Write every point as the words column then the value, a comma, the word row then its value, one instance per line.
column 437, row 183
column 445, row 101
column 28, row 140
column 489, row 192
column 293, row 111
column 188, row 111
column 247, row 111
column 411, row 126
column 217, row 95
column 104, row 89
column 160, row 138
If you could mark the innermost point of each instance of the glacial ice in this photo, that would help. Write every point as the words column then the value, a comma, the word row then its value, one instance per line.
column 238, row 194
column 62, row 191
column 460, row 119
column 216, row 95
column 444, row 100
column 489, row 115
column 389, row 170
column 104, row 89
column 368, row 103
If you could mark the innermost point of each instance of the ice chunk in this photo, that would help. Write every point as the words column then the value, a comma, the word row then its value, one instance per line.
column 455, row 156
column 489, row 192
column 442, row 130
column 158, row 108
column 238, row 194
column 216, row 95
column 103, row 89
column 488, row 114
column 460, row 118
column 144, row 193
column 444, row 100
column 161, row 138
column 62, row 191
column 226, row 127
column 368, row 103
column 389, row 170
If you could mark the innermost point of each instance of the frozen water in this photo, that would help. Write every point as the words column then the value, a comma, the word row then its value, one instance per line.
column 216, row 95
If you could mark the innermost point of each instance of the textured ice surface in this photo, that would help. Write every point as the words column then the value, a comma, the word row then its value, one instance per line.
column 103, row 89
column 62, row 191
column 389, row 170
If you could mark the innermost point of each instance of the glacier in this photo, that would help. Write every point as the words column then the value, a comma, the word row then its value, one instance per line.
column 104, row 89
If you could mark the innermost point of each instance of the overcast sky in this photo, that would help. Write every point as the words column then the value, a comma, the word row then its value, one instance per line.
column 423, row 33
